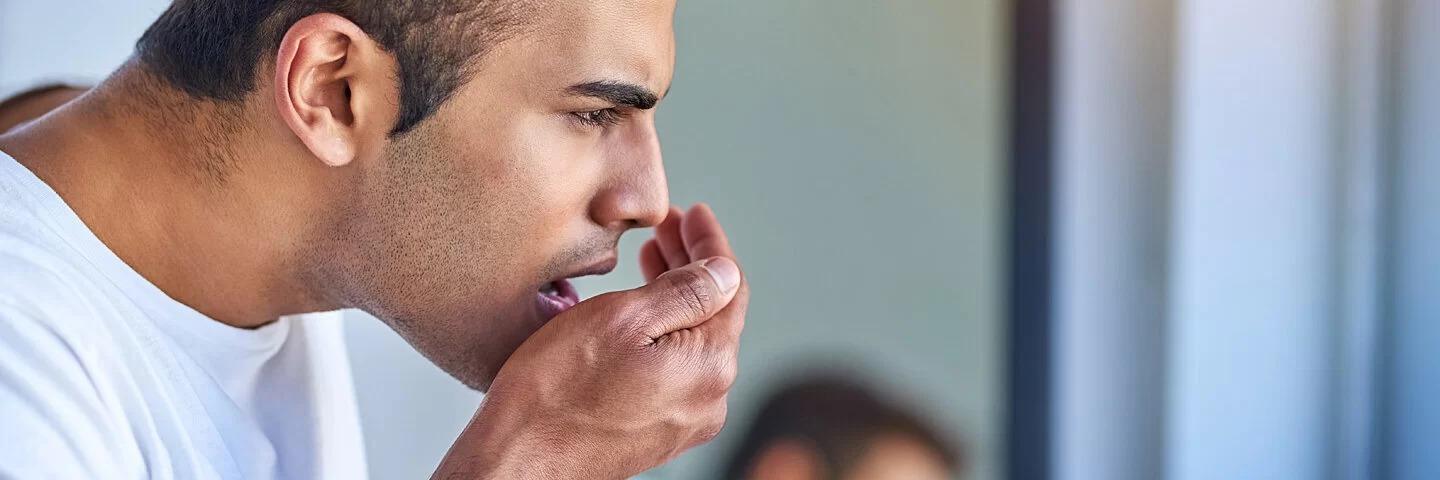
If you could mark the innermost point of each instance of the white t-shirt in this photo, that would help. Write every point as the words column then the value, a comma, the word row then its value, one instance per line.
column 104, row 376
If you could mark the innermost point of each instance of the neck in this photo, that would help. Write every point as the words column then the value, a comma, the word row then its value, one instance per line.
column 214, row 215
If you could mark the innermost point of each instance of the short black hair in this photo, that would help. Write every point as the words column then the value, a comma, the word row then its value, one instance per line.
column 211, row 49
column 840, row 419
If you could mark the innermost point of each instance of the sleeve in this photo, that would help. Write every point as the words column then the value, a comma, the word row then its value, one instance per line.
column 52, row 420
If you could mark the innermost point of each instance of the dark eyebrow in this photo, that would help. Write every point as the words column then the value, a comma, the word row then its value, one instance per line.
column 619, row 93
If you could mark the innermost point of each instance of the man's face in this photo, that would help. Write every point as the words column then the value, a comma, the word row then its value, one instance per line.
column 527, row 176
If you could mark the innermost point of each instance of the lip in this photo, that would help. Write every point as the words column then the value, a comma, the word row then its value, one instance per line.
column 601, row 267
column 566, row 296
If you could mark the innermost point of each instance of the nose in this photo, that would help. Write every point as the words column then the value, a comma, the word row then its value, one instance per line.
column 635, row 195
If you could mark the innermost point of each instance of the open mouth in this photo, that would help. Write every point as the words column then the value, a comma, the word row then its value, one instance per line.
column 559, row 295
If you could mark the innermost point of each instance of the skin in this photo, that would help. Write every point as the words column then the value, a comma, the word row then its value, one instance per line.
column 898, row 457
column 788, row 460
column 889, row 457
column 297, row 200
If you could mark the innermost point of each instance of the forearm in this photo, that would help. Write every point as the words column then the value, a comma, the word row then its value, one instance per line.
column 497, row 446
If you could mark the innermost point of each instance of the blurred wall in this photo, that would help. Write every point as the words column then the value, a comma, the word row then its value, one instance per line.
column 1253, row 299
column 852, row 149
column 68, row 39
column 1112, row 221
column 1411, row 414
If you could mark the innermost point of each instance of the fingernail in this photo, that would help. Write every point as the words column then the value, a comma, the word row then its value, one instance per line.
column 724, row 271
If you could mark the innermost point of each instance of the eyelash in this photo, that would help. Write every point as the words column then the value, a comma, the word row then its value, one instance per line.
column 600, row 118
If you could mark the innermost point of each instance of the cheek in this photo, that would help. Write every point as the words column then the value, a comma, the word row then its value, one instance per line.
column 547, row 179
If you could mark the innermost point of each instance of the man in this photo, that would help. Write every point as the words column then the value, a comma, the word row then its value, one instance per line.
column 833, row 428
column 445, row 165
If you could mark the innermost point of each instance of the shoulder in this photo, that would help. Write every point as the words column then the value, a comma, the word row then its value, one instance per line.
column 46, row 291
column 30, row 273
column 39, row 305
column 47, row 392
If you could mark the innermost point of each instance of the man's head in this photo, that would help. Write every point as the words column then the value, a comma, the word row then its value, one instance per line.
column 212, row 48
column 464, row 155
column 834, row 429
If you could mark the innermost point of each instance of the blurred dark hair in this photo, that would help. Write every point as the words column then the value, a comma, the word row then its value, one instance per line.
column 839, row 419
column 210, row 48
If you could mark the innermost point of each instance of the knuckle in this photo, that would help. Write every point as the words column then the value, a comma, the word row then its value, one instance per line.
column 720, row 377
column 713, row 425
column 709, row 434
column 729, row 371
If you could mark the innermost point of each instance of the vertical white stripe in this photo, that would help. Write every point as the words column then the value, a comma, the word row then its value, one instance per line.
column 1251, row 302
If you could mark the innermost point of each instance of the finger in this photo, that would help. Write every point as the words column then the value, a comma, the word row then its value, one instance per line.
column 652, row 262
column 667, row 235
column 723, row 329
column 702, row 235
column 686, row 297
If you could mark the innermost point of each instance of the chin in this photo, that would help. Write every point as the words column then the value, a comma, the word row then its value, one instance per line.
column 476, row 371
column 472, row 350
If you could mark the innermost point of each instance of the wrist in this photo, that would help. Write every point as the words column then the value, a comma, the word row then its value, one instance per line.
column 499, row 444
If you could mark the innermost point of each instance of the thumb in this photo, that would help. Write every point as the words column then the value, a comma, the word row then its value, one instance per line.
column 687, row 296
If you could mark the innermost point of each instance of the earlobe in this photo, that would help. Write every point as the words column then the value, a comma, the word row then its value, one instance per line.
column 339, row 154
column 320, row 64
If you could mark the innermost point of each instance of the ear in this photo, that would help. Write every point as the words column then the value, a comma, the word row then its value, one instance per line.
column 336, row 89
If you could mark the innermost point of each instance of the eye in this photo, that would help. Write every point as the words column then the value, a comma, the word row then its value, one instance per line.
column 600, row 118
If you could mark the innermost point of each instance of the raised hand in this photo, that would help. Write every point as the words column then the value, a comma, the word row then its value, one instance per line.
column 625, row 381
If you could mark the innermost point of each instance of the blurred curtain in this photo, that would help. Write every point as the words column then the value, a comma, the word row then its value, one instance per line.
column 1248, row 240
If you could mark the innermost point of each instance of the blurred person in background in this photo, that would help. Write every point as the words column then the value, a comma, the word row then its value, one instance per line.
column 31, row 104
column 443, row 165
column 830, row 428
